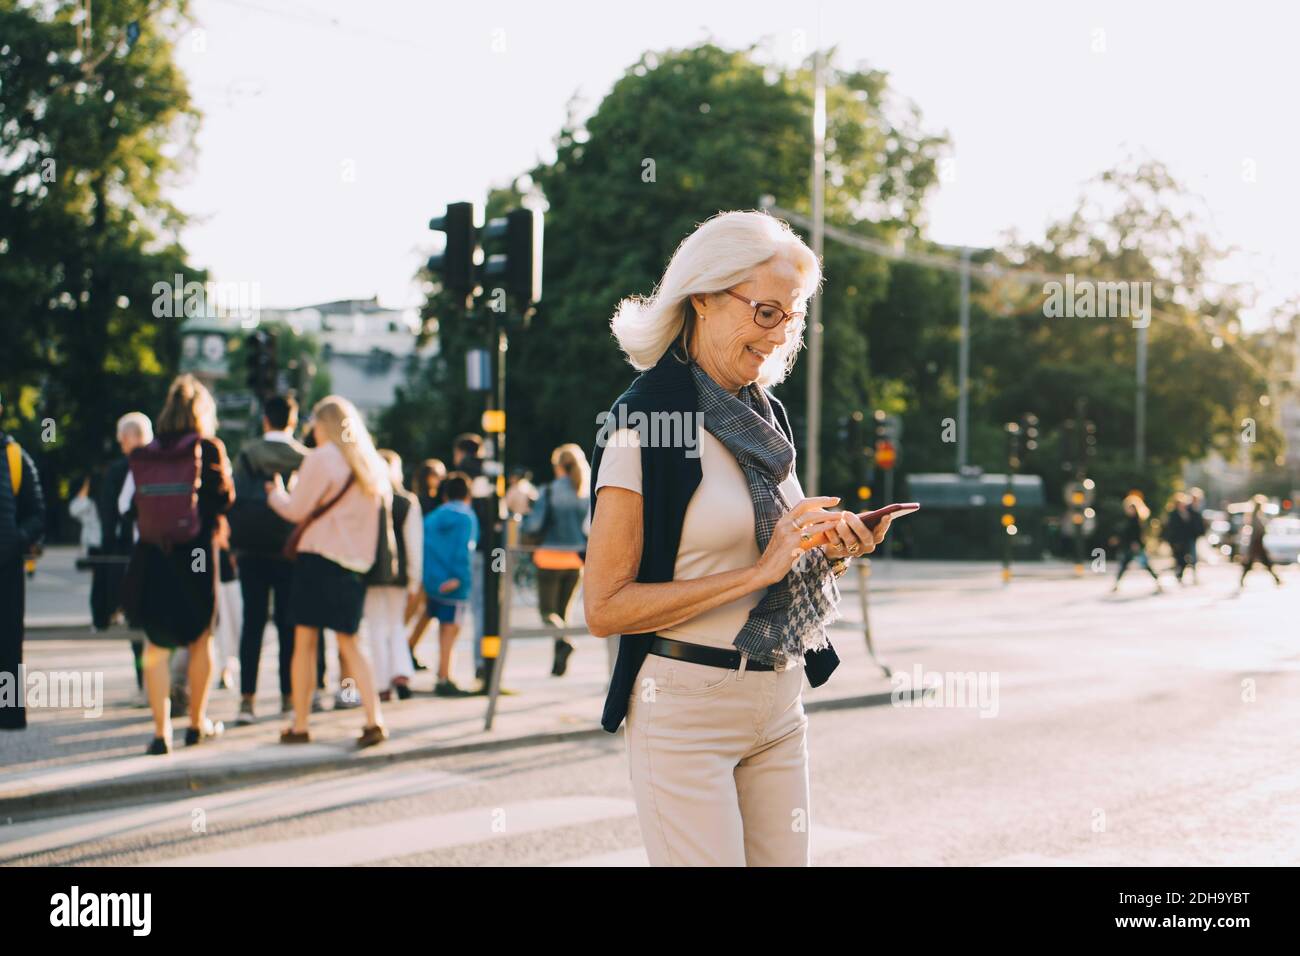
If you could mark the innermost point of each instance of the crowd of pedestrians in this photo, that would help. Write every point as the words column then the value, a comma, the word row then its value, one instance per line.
column 311, row 528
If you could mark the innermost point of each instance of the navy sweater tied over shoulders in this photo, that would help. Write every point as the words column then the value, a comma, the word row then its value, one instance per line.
column 665, row 398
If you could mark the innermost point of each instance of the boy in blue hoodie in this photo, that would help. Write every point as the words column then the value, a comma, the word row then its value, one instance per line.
column 450, row 536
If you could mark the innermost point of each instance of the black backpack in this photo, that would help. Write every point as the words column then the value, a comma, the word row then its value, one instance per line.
column 389, row 570
column 254, row 527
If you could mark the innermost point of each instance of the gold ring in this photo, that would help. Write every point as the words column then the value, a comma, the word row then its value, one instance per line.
column 805, row 536
column 854, row 549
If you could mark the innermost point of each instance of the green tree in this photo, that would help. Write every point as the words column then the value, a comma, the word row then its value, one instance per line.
column 683, row 135
column 1134, row 223
column 92, row 124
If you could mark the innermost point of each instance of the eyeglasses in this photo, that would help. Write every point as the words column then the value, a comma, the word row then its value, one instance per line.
column 767, row 315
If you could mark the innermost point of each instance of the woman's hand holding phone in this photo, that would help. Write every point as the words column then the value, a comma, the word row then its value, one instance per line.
column 809, row 515
column 867, row 528
column 852, row 537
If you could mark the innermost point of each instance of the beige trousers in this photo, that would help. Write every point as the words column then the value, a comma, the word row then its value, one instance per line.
column 719, row 764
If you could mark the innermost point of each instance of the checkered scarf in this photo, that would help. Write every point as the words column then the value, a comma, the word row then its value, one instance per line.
column 793, row 615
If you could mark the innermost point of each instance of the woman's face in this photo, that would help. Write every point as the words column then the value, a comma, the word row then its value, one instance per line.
column 729, row 344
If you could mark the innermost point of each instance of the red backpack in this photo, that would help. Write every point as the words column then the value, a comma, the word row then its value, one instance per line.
column 167, row 490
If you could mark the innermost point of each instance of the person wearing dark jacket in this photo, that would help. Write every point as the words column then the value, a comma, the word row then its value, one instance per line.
column 1256, row 553
column 134, row 430
column 172, row 591
column 1131, row 539
column 1182, row 527
column 258, row 536
column 22, row 525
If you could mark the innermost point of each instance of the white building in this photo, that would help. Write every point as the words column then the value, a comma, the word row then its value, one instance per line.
column 365, row 347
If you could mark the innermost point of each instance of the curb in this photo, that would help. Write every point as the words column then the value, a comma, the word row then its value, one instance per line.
column 103, row 794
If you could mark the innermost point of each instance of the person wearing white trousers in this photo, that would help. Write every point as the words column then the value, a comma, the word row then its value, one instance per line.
column 389, row 607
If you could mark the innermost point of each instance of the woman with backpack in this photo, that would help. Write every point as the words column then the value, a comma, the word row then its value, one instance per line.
column 178, row 490
column 555, row 524
column 336, row 504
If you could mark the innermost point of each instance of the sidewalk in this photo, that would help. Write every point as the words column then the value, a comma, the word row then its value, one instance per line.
column 67, row 761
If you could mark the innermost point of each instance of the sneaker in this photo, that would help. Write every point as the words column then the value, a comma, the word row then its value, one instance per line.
column 246, row 714
column 448, row 688
column 342, row 701
column 209, row 731
column 316, row 706
column 563, row 649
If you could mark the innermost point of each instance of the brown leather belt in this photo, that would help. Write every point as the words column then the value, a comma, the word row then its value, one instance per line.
column 702, row 654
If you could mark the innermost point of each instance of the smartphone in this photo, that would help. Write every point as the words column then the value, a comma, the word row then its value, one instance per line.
column 872, row 518
column 869, row 518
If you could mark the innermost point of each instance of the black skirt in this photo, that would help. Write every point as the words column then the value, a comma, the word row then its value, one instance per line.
column 325, row 594
column 172, row 594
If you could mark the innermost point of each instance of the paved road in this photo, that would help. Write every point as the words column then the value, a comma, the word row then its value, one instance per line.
column 1126, row 729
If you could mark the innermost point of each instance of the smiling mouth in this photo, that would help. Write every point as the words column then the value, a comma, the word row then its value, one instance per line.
column 754, row 351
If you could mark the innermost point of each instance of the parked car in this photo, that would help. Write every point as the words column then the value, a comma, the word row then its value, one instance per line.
column 1282, row 540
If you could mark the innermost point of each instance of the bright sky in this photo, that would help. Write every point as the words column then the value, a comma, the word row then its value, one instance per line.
column 333, row 130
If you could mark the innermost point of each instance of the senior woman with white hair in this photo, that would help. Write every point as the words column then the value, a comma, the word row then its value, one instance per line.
column 695, row 558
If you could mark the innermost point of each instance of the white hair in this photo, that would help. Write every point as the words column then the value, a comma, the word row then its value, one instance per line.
column 136, row 422
column 721, row 253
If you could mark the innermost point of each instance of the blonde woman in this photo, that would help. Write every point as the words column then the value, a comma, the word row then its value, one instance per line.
column 171, row 585
column 1131, row 540
column 340, row 486
column 556, row 523
column 695, row 559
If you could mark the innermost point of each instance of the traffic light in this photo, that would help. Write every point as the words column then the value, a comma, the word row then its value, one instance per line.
column 254, row 370
column 263, row 363
column 270, row 364
column 860, row 454
column 888, row 428
column 1080, row 516
column 512, row 257
column 454, row 266
column 1030, row 425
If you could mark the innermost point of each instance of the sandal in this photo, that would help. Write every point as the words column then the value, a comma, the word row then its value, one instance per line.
column 292, row 736
column 372, row 735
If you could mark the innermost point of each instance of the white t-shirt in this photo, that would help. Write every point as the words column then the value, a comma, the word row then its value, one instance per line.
column 717, row 534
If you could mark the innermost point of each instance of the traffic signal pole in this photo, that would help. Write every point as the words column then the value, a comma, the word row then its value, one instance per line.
column 508, row 275
column 494, row 611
